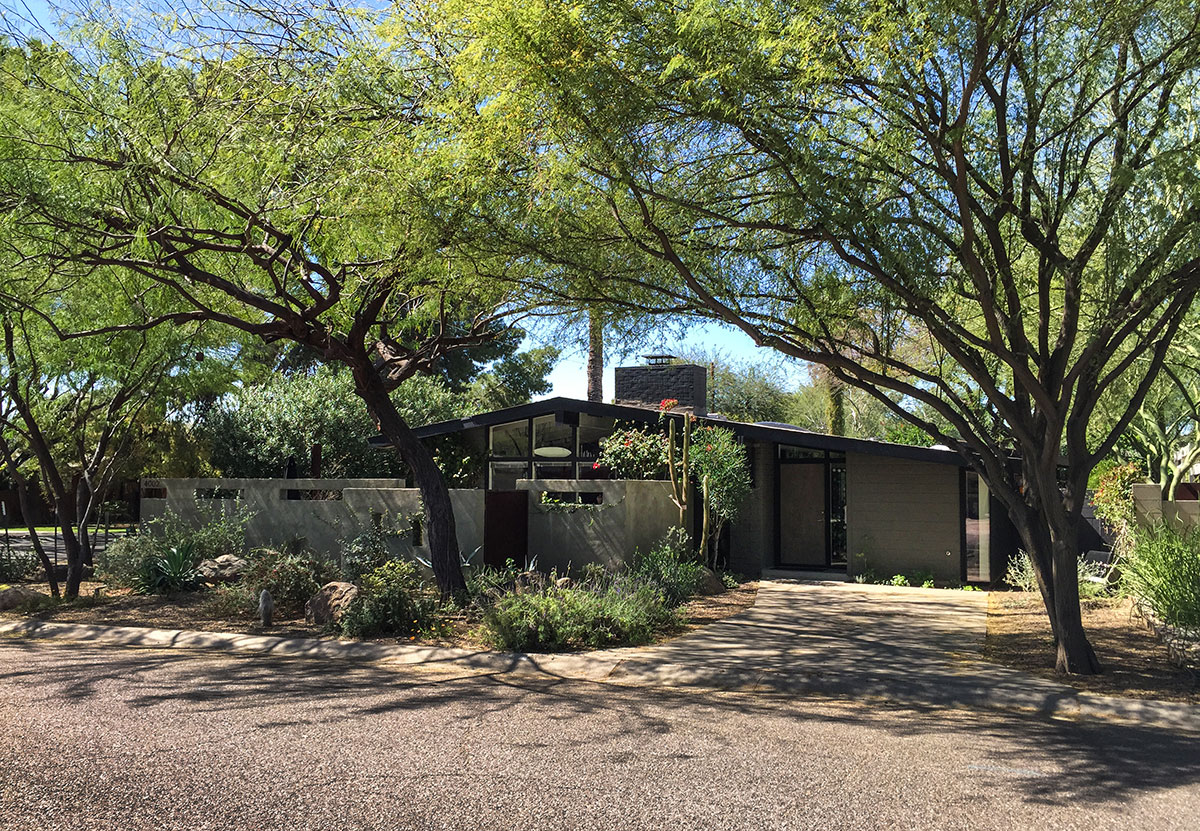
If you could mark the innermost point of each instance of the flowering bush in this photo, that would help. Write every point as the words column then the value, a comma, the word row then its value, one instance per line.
column 634, row 453
column 1113, row 498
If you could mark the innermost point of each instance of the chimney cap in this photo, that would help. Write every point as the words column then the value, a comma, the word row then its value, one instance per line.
column 659, row 360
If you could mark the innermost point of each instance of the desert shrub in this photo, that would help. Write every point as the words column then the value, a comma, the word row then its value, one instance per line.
column 16, row 565
column 669, row 567
column 122, row 561
column 730, row 581
column 1020, row 576
column 626, row 613
column 393, row 601
column 220, row 531
column 1162, row 570
column 232, row 601
column 169, row 572
column 899, row 580
column 291, row 578
column 364, row 554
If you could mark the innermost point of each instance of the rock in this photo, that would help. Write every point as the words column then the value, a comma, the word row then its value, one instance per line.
column 15, row 596
column 564, row 583
column 710, row 583
column 330, row 603
column 228, row 568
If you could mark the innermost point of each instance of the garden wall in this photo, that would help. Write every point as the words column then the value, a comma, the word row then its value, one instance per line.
column 631, row 516
column 1150, row 509
column 320, row 514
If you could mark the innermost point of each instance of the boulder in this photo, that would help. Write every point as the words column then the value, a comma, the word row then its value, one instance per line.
column 330, row 603
column 14, row 596
column 228, row 568
column 710, row 583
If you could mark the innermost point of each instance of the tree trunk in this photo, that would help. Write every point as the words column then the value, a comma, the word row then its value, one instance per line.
column 83, row 510
column 444, row 554
column 1049, row 534
column 595, row 359
column 34, row 539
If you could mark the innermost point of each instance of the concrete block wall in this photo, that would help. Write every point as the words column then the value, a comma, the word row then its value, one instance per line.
column 647, row 386
column 752, row 534
column 633, row 516
column 903, row 515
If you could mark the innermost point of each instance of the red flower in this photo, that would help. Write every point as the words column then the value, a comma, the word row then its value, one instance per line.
column 708, row 447
column 596, row 466
column 668, row 403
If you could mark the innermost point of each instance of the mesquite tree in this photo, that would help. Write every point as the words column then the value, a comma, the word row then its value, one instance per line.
column 293, row 174
column 984, row 211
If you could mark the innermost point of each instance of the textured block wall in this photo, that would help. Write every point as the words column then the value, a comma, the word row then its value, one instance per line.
column 647, row 386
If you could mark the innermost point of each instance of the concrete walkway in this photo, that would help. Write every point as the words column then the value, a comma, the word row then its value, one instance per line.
column 908, row 645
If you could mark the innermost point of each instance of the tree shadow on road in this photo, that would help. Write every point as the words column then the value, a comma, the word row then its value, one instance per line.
column 1058, row 762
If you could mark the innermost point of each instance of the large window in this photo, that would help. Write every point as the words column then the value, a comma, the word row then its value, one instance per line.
column 545, row 447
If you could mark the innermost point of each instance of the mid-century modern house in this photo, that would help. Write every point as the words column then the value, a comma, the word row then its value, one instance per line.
column 818, row 502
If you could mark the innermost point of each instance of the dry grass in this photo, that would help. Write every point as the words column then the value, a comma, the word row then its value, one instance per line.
column 1135, row 663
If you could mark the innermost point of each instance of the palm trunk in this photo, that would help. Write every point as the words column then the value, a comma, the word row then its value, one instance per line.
column 444, row 554
column 595, row 360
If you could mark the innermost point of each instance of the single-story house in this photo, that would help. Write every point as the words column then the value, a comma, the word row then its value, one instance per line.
column 818, row 502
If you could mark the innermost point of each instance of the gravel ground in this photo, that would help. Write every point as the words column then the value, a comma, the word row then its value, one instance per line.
column 94, row 738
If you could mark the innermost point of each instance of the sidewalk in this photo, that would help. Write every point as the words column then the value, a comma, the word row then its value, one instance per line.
column 911, row 646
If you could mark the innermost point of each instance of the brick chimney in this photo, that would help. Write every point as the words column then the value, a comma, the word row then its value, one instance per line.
column 647, row 386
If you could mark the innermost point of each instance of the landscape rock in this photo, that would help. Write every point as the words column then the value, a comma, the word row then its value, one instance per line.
column 710, row 583
column 330, row 603
column 228, row 568
column 15, row 596
column 564, row 583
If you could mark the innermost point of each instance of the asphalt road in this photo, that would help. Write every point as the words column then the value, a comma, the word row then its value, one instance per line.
column 120, row 738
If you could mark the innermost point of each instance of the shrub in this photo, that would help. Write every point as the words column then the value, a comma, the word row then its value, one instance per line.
column 292, row 579
column 219, row 532
column 634, row 453
column 364, row 554
column 1020, row 576
column 730, row 581
column 233, row 600
column 16, row 565
column 625, row 613
column 122, row 561
column 899, row 580
column 393, row 601
column 669, row 568
column 1162, row 570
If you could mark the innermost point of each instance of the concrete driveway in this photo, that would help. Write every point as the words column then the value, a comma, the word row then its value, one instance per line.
column 905, row 644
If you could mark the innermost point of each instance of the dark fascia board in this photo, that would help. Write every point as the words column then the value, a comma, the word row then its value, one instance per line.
column 794, row 436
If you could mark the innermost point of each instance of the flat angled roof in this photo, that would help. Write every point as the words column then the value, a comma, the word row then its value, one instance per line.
column 779, row 433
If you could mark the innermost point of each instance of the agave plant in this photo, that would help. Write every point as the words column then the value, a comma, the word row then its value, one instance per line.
column 170, row 572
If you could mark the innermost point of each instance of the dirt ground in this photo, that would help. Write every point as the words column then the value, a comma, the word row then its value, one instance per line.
column 1135, row 663
column 98, row 604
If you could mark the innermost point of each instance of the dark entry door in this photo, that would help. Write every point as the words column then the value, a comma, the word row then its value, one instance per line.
column 802, row 524
column 505, row 527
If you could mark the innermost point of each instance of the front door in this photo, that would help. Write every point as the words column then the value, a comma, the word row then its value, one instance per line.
column 802, row 517
column 505, row 528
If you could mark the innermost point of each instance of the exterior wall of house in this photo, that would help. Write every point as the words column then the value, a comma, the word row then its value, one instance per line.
column 647, row 386
column 327, row 515
column 903, row 515
column 752, row 534
column 631, row 516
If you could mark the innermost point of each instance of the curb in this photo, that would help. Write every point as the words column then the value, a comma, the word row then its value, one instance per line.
column 631, row 667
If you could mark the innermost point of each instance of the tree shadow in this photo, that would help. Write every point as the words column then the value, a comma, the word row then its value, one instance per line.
column 1096, row 762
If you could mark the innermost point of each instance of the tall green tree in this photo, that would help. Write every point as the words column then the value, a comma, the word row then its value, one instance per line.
column 302, row 175
column 1009, row 185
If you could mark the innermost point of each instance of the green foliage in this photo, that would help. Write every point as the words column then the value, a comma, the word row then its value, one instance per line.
column 899, row 580
column 719, row 466
column 16, row 565
column 365, row 553
column 133, row 562
column 1162, row 570
column 393, row 601
column 121, row 562
column 634, row 453
column 1020, row 576
column 232, row 601
column 730, row 581
column 1113, row 496
column 291, row 578
column 624, row 613
column 669, row 567
column 169, row 572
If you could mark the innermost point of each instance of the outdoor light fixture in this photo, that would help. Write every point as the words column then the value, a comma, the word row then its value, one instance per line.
column 552, row 452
